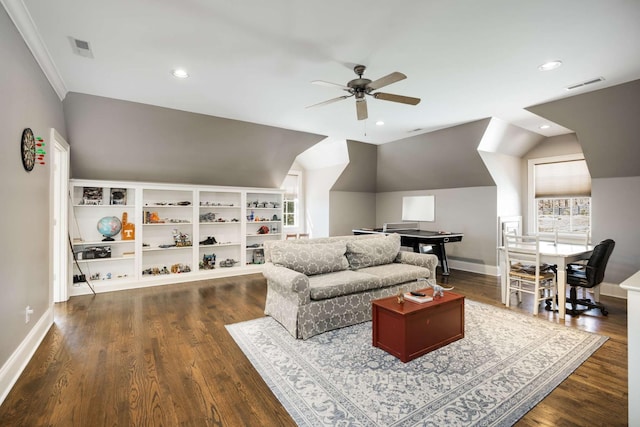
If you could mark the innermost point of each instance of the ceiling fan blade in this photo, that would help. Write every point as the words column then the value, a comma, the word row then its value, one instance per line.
column 386, row 80
column 329, row 84
column 361, row 109
column 330, row 101
column 396, row 98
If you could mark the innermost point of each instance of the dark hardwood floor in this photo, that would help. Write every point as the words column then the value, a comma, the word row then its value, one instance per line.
column 162, row 357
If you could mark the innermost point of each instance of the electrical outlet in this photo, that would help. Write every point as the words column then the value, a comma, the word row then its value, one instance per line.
column 27, row 314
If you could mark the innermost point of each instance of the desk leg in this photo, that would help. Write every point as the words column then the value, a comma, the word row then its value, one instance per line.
column 503, row 276
column 443, row 259
column 561, row 276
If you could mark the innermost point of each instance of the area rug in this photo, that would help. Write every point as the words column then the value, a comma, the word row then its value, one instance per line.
column 506, row 363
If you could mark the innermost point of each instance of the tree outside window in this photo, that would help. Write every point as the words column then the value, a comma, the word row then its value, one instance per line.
column 570, row 214
column 291, row 187
column 562, row 196
column 290, row 210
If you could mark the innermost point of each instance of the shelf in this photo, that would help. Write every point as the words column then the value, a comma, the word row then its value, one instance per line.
column 219, row 245
column 118, row 258
column 171, row 248
column 166, row 223
column 105, row 206
column 219, row 222
column 212, row 211
column 102, row 242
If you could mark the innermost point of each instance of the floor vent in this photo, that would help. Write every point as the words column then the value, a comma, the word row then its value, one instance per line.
column 81, row 47
column 583, row 84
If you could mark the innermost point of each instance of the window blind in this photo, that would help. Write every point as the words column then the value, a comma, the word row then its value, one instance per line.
column 562, row 179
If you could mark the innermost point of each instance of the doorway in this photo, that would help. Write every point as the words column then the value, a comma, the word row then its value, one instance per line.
column 59, row 207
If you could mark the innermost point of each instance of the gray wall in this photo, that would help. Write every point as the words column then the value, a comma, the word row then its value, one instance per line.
column 470, row 210
column 446, row 158
column 360, row 173
column 26, row 100
column 121, row 140
column 349, row 210
column 615, row 207
column 606, row 123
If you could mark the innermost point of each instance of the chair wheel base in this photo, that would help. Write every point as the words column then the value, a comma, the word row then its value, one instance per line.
column 587, row 303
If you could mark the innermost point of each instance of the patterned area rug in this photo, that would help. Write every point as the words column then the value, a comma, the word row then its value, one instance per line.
column 505, row 365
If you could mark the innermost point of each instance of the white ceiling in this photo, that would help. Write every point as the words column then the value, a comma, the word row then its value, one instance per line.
column 253, row 60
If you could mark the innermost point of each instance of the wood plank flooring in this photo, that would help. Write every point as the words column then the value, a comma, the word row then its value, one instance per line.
column 162, row 357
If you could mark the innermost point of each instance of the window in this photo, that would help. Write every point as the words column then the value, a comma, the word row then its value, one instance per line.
column 562, row 196
column 291, row 187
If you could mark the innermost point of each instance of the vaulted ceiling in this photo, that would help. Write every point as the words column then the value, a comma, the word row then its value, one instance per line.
column 254, row 60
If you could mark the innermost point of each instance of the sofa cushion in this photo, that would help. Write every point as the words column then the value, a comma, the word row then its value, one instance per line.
column 395, row 273
column 339, row 283
column 314, row 259
column 370, row 252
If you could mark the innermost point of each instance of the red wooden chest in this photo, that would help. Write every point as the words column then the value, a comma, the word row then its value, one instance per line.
column 410, row 330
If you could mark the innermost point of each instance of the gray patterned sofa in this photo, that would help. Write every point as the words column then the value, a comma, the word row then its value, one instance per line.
column 316, row 285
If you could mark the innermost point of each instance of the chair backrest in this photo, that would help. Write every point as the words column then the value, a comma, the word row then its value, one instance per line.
column 598, row 262
column 522, row 250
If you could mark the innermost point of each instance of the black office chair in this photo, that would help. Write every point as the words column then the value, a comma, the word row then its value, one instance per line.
column 587, row 276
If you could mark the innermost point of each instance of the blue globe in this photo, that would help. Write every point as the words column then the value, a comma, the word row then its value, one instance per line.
column 109, row 226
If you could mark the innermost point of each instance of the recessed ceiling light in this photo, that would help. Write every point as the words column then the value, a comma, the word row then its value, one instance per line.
column 551, row 65
column 180, row 73
column 379, row 123
column 545, row 126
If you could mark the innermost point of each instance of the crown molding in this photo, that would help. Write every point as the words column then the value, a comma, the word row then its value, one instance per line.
column 17, row 11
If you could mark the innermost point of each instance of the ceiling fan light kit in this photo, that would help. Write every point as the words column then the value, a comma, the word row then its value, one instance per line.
column 361, row 87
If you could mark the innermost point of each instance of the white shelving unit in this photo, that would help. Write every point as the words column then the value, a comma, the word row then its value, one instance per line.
column 178, row 230
column 93, row 256
column 264, row 222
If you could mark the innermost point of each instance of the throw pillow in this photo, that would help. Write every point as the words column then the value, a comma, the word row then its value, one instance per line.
column 369, row 252
column 311, row 259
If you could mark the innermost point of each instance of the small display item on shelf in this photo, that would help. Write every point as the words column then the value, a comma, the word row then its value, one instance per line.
column 92, row 196
column 208, row 262
column 118, row 196
column 181, row 239
column 263, row 230
column 228, row 262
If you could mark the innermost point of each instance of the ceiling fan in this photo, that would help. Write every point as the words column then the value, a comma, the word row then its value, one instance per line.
column 360, row 87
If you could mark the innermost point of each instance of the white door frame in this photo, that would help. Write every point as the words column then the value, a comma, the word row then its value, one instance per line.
column 59, row 217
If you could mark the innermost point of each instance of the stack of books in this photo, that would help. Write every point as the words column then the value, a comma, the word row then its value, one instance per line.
column 413, row 297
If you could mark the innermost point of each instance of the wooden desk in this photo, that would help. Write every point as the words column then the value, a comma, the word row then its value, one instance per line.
column 559, row 254
column 410, row 330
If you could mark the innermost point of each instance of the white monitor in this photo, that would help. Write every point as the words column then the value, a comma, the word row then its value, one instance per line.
column 419, row 208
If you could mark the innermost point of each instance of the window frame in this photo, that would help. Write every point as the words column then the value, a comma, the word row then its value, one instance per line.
column 532, row 205
column 296, row 203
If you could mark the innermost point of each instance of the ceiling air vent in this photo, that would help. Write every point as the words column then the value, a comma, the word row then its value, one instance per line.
column 81, row 47
column 583, row 84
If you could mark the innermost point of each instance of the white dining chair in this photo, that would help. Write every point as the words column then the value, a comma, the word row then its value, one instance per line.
column 526, row 274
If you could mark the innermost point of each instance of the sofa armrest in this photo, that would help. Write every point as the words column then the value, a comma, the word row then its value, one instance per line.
column 429, row 261
column 287, row 282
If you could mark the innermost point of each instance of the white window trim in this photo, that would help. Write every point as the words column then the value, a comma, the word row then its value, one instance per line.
column 298, row 227
column 531, row 206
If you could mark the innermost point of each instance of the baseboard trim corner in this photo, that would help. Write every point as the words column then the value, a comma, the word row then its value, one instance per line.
column 11, row 370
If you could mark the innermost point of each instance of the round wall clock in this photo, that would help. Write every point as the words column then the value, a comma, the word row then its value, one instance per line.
column 28, row 148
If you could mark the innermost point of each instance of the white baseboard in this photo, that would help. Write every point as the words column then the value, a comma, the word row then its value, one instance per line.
column 612, row 290
column 101, row 286
column 11, row 370
column 490, row 270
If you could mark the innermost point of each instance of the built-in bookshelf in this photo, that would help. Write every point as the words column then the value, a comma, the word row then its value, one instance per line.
column 168, row 233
